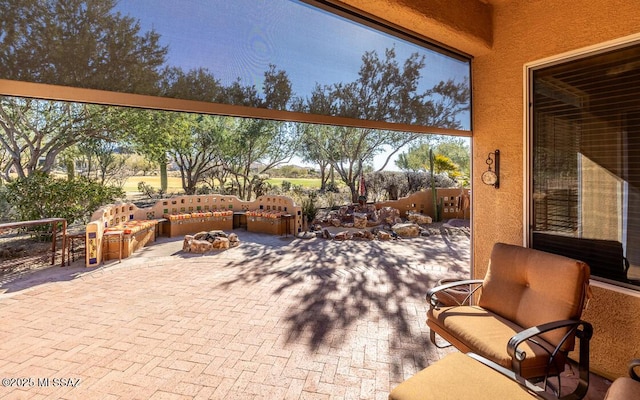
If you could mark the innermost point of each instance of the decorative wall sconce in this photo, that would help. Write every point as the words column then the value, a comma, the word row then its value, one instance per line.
column 492, row 177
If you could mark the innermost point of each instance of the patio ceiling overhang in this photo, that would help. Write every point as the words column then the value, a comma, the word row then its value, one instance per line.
column 464, row 25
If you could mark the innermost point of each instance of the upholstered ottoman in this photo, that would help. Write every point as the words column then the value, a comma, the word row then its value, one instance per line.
column 626, row 388
column 460, row 376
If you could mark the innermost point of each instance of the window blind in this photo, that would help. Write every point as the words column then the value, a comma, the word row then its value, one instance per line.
column 585, row 198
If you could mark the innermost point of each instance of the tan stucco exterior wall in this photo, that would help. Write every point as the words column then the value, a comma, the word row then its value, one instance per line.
column 461, row 24
column 522, row 31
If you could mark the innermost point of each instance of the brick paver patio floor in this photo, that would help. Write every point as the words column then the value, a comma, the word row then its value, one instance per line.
column 275, row 318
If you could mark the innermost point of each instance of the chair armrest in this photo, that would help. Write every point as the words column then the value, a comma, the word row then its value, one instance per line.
column 632, row 366
column 466, row 282
column 581, row 329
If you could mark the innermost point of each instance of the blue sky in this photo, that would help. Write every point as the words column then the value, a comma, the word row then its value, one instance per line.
column 240, row 38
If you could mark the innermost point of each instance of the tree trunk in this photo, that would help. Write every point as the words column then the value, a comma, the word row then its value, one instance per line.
column 354, row 192
column 323, row 179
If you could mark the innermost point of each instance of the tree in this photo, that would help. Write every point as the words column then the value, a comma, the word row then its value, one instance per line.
column 41, row 195
column 194, row 146
column 35, row 132
column 151, row 134
column 445, row 151
column 458, row 151
column 197, row 84
column 79, row 43
column 252, row 148
column 104, row 162
column 384, row 91
column 415, row 159
column 140, row 165
column 313, row 147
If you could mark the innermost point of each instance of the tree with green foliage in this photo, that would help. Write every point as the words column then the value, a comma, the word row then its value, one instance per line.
column 194, row 146
column 105, row 161
column 80, row 43
column 445, row 150
column 252, row 148
column 458, row 151
column 314, row 147
column 150, row 135
column 384, row 91
column 35, row 132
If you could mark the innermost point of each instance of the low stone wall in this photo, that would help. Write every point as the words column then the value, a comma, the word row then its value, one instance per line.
column 182, row 215
column 453, row 203
column 184, row 224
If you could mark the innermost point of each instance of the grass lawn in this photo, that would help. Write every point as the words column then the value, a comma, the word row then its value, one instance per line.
column 311, row 183
column 174, row 183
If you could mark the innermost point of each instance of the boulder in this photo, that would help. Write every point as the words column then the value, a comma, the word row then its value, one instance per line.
column 220, row 243
column 388, row 215
column 200, row 246
column 360, row 220
column 418, row 218
column 234, row 241
column 344, row 235
column 306, row 235
column 336, row 222
column 382, row 235
column 186, row 243
column 363, row 235
column 407, row 230
column 201, row 235
column 217, row 233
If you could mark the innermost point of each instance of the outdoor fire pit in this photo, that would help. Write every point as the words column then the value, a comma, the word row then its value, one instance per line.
column 203, row 242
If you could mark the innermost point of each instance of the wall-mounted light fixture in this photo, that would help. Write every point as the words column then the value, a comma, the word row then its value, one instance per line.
column 491, row 177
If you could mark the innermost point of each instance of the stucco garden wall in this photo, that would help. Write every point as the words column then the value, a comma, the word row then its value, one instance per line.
column 522, row 32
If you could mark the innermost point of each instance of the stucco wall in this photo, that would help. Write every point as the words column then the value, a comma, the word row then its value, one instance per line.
column 526, row 31
column 465, row 26
column 523, row 31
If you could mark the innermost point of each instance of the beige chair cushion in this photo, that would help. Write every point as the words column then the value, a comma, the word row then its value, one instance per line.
column 531, row 287
column 460, row 326
column 457, row 377
column 624, row 389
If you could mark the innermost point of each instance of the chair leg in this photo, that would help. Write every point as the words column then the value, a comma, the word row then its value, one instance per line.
column 432, row 336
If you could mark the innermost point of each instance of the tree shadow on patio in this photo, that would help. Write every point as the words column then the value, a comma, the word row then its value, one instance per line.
column 368, row 293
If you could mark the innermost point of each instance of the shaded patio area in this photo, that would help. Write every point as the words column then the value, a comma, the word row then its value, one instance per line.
column 273, row 318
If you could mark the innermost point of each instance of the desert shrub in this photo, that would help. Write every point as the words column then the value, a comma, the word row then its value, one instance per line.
column 286, row 186
column 5, row 208
column 444, row 181
column 43, row 196
column 309, row 208
column 147, row 189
